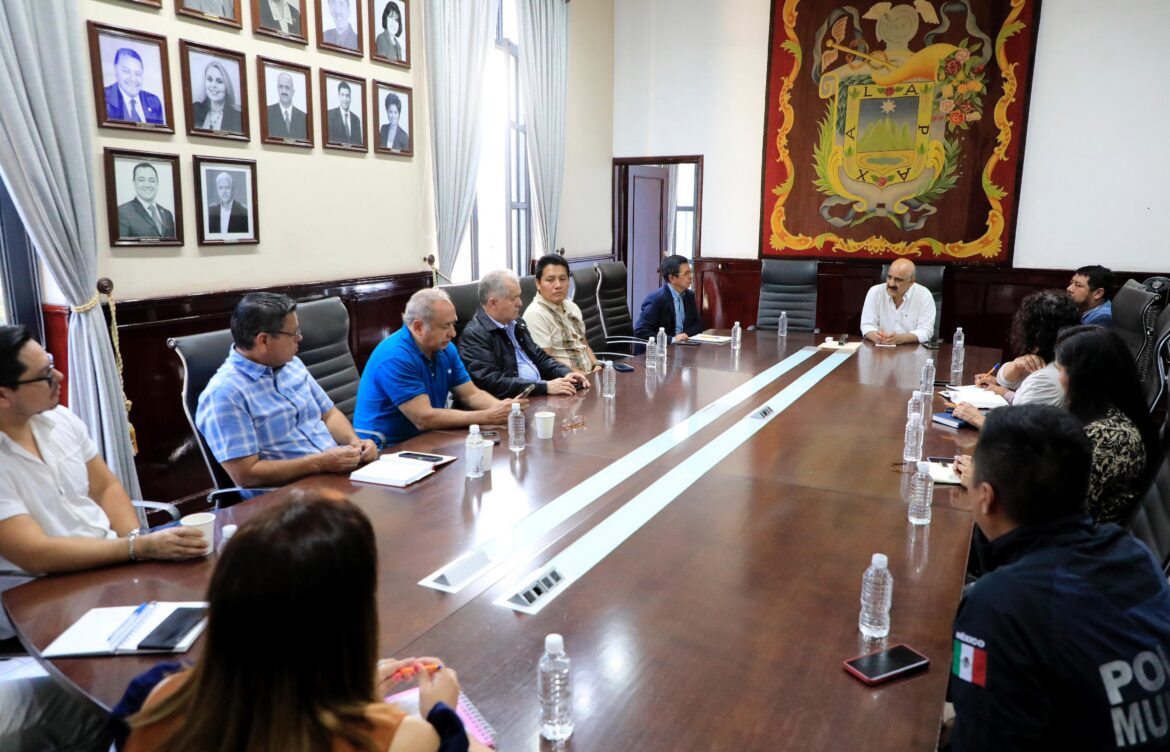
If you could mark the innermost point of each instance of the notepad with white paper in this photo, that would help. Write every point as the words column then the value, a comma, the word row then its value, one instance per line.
column 943, row 474
column 120, row 629
column 975, row 396
column 391, row 470
column 710, row 339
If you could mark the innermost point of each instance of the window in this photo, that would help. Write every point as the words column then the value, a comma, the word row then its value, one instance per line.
column 20, row 284
column 684, row 217
column 500, row 233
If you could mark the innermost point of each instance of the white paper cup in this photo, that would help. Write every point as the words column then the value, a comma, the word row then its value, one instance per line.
column 545, row 421
column 204, row 522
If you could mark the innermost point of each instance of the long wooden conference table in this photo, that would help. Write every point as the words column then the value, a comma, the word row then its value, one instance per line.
column 708, row 528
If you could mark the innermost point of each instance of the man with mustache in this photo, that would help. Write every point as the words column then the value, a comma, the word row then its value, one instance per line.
column 899, row 312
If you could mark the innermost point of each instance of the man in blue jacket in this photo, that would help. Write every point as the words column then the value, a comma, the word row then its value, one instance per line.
column 1065, row 642
column 672, row 307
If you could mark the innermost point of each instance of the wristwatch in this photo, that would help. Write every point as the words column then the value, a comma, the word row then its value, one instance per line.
column 132, row 538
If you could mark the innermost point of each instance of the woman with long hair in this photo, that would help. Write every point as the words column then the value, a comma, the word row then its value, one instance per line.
column 218, row 110
column 1102, row 390
column 290, row 656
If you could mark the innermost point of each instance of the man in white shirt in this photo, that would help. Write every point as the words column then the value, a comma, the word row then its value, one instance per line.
column 554, row 321
column 899, row 312
column 61, row 510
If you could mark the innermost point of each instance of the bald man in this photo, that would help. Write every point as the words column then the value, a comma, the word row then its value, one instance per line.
column 899, row 312
column 284, row 119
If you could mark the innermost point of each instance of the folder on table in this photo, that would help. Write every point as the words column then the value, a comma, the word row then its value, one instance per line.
column 153, row 627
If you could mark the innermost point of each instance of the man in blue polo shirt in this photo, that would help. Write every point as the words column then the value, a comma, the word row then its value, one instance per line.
column 404, row 387
column 1091, row 288
column 265, row 418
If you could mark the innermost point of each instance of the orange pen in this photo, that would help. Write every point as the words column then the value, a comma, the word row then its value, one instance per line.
column 407, row 672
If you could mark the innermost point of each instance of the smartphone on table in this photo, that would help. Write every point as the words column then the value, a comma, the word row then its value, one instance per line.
column 884, row 665
column 526, row 391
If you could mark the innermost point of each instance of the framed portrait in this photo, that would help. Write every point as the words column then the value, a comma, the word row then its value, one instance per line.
column 286, row 111
column 283, row 19
column 393, row 111
column 147, row 3
column 345, row 106
column 215, row 91
column 339, row 26
column 225, row 196
column 225, row 12
column 131, row 86
column 143, row 201
column 390, row 32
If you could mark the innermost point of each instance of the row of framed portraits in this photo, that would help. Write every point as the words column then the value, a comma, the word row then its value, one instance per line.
column 130, row 66
column 339, row 23
column 144, row 203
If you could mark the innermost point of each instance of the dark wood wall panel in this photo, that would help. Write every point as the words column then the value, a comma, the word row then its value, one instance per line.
column 56, row 320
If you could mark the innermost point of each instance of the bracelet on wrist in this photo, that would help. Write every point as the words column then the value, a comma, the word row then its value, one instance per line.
column 132, row 538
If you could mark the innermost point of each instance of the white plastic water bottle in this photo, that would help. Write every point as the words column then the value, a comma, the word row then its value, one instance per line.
column 927, row 385
column 651, row 352
column 516, row 429
column 473, row 454
column 661, row 341
column 554, row 684
column 736, row 336
column 877, row 593
column 914, row 405
column 921, row 495
column 913, row 449
column 958, row 355
column 782, row 325
column 609, row 380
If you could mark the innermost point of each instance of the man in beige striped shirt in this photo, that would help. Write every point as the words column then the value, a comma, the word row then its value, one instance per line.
column 554, row 321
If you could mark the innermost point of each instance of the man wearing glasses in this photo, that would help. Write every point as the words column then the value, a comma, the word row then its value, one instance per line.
column 61, row 510
column 265, row 418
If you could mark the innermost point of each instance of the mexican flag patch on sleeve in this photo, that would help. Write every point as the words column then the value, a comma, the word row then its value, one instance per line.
column 970, row 663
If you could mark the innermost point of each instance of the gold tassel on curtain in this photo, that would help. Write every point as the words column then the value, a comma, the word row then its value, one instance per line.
column 105, row 286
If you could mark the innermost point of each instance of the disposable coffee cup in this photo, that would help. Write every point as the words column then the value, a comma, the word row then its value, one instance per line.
column 204, row 522
column 544, row 424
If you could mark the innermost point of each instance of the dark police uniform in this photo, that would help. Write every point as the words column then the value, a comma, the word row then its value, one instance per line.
column 1064, row 645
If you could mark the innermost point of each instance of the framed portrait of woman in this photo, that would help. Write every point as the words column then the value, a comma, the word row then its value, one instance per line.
column 390, row 32
column 215, row 91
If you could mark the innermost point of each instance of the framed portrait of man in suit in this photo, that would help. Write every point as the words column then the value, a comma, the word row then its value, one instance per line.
column 343, row 126
column 224, row 12
column 144, row 205
column 147, row 3
column 339, row 26
column 286, row 109
column 131, row 81
column 390, row 32
column 215, row 91
column 393, row 111
column 225, row 195
column 283, row 19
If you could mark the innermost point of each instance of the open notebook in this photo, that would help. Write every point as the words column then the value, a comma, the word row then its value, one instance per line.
column 474, row 723
column 153, row 627
column 400, row 469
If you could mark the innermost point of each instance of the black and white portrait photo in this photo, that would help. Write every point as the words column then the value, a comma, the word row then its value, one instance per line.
column 130, row 79
column 144, row 205
column 280, row 18
column 392, row 108
column 339, row 26
column 286, row 112
column 389, row 21
column 225, row 193
column 345, row 99
column 226, row 12
column 215, row 91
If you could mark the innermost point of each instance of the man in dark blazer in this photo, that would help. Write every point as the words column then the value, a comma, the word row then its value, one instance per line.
column 391, row 135
column 345, row 127
column 672, row 307
column 284, row 119
column 237, row 215
column 285, row 18
column 125, row 100
column 142, row 217
column 500, row 354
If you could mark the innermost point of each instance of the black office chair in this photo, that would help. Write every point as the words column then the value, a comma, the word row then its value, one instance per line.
column 617, row 325
column 585, row 283
column 1135, row 318
column 930, row 277
column 1156, row 385
column 465, row 298
column 201, row 356
column 1150, row 521
column 788, row 285
column 527, row 291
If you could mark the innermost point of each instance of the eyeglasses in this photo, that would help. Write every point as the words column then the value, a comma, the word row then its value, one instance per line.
column 47, row 379
column 277, row 333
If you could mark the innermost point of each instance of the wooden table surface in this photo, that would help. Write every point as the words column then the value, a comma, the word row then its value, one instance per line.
column 720, row 624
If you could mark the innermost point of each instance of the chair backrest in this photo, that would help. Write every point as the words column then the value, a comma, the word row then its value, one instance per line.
column 201, row 356
column 1151, row 519
column 527, row 291
column 930, row 277
column 465, row 297
column 325, row 351
column 611, row 300
column 1159, row 286
column 1157, row 385
column 1135, row 318
column 585, row 283
column 788, row 285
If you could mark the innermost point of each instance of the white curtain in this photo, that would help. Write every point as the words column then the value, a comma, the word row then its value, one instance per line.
column 46, row 161
column 672, row 208
column 544, row 79
column 459, row 34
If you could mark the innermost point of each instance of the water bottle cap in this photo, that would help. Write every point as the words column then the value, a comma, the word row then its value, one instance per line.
column 880, row 561
column 662, row 329
column 474, row 428
column 515, row 407
column 958, row 329
column 554, row 643
column 924, row 467
column 227, row 532
column 784, row 314
column 737, row 323
column 917, row 394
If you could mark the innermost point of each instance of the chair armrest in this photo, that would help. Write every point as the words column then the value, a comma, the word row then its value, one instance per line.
column 243, row 493
column 614, row 354
column 161, row 506
column 625, row 340
column 369, row 433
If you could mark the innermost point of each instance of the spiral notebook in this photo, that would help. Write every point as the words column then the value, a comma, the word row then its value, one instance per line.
column 165, row 627
column 473, row 722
